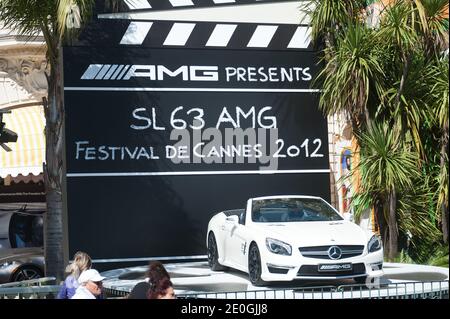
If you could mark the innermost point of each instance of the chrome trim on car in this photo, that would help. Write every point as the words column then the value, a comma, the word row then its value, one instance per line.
column 322, row 252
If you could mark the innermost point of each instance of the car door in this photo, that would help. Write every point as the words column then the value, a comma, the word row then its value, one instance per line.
column 236, row 245
column 241, row 240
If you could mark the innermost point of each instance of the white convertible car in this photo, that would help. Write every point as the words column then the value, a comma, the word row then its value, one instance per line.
column 282, row 238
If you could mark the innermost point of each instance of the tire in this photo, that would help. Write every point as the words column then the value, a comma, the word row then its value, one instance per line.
column 254, row 266
column 213, row 254
column 27, row 273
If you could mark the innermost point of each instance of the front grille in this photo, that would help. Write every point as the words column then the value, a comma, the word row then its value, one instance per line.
column 313, row 271
column 321, row 252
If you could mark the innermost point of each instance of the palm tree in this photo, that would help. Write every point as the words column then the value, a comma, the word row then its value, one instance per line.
column 418, row 98
column 379, row 75
column 435, row 15
column 56, row 21
column 398, row 31
column 352, row 76
column 331, row 17
column 436, row 41
column 351, row 60
column 387, row 167
column 413, row 31
column 439, row 101
column 423, row 36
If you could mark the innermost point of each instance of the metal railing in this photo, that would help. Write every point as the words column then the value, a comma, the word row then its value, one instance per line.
column 112, row 293
column 35, row 289
column 406, row 290
column 42, row 288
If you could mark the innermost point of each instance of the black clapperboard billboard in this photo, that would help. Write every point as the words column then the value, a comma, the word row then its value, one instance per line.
column 170, row 120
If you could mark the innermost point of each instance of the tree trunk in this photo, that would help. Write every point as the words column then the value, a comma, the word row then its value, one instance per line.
column 380, row 220
column 444, row 211
column 53, row 170
column 367, row 118
column 406, row 63
column 392, row 223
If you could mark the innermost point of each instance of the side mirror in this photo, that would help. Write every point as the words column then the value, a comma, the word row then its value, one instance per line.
column 233, row 219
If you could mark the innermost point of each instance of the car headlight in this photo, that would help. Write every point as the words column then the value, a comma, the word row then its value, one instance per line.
column 278, row 247
column 374, row 244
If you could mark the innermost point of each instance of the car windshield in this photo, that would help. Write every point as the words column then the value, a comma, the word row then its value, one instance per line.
column 282, row 210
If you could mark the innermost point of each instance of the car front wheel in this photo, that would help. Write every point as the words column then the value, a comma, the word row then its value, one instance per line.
column 254, row 266
column 27, row 273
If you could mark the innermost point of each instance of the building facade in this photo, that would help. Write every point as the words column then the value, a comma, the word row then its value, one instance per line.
column 22, row 85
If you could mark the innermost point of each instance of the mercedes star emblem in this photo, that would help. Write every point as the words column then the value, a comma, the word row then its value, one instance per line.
column 334, row 252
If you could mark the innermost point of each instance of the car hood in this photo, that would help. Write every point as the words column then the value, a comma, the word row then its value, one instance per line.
column 304, row 234
column 7, row 255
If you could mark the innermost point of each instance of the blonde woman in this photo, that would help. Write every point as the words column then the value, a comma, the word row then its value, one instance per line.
column 81, row 262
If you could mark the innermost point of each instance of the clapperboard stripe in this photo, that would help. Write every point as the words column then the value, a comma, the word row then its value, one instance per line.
column 137, row 4
column 170, row 4
column 301, row 38
column 153, row 32
column 136, row 33
column 221, row 35
column 261, row 36
column 179, row 34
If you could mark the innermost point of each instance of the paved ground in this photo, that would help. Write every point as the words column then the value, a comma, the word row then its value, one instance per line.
column 196, row 277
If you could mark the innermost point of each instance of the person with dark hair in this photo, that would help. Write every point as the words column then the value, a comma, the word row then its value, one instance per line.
column 140, row 290
column 162, row 289
column 155, row 273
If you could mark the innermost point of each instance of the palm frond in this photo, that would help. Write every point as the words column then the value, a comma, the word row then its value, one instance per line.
column 386, row 163
column 439, row 92
column 412, row 109
column 71, row 14
column 52, row 18
column 352, row 74
column 25, row 16
column 438, row 99
column 416, row 213
column 332, row 15
column 361, row 201
column 437, row 23
column 397, row 27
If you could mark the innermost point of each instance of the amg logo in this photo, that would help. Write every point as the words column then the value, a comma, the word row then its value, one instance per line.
column 335, row 267
column 151, row 72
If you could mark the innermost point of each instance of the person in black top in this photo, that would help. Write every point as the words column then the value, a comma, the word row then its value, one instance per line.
column 155, row 273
